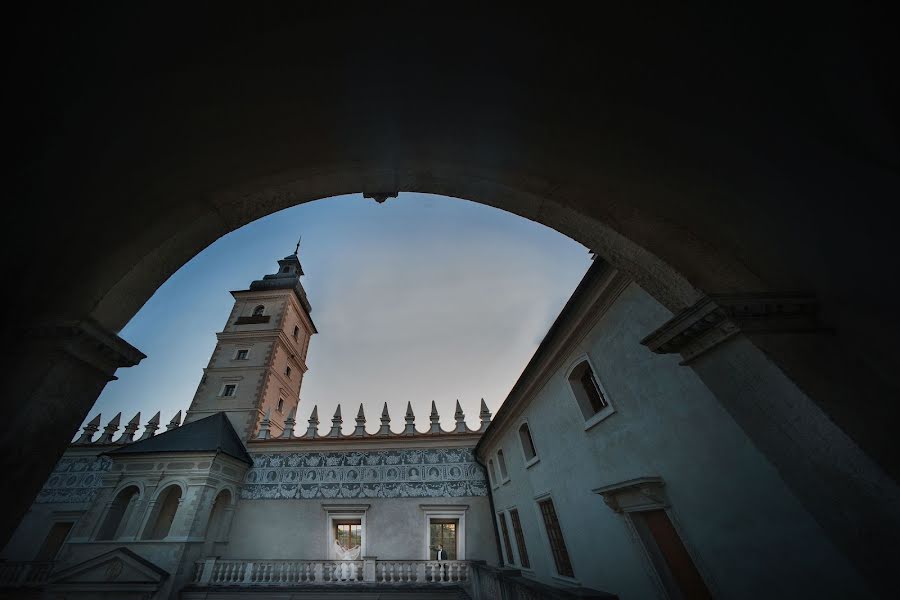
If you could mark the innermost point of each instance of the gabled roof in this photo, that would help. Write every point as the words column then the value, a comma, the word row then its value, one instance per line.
column 210, row 434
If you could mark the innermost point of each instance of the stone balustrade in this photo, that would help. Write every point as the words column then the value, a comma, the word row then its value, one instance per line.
column 486, row 582
column 24, row 574
column 237, row 572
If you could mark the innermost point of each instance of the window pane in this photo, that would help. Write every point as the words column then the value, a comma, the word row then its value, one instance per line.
column 595, row 396
column 557, row 544
column 443, row 532
column 504, row 530
column 520, row 538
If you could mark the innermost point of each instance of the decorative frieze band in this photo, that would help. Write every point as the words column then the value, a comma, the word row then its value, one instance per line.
column 718, row 317
column 74, row 480
column 432, row 473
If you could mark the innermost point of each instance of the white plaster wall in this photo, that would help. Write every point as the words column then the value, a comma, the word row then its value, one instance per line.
column 296, row 529
column 748, row 534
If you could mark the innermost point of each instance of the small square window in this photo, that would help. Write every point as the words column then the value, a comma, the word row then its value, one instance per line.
column 229, row 389
column 242, row 354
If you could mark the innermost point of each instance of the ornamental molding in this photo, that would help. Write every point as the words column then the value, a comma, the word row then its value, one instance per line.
column 395, row 473
column 718, row 317
column 641, row 493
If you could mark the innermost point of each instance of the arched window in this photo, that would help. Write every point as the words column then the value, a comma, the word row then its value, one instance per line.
column 216, row 527
column 296, row 331
column 501, row 462
column 160, row 521
column 119, row 513
column 258, row 311
column 492, row 473
column 527, row 442
column 586, row 387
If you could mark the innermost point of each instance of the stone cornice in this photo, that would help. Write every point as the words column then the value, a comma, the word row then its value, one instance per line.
column 599, row 288
column 641, row 493
column 88, row 341
column 719, row 317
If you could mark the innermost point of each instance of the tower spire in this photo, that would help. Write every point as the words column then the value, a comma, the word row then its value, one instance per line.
column 297, row 249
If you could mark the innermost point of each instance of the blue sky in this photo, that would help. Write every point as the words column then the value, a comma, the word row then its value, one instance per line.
column 421, row 298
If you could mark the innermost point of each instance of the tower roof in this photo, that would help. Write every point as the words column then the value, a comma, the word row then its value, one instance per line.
column 210, row 434
column 287, row 278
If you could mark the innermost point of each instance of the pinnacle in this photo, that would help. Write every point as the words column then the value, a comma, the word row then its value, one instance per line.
column 361, row 414
column 155, row 419
column 136, row 419
column 114, row 422
column 337, row 413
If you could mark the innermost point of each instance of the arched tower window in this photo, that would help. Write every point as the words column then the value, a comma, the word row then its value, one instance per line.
column 258, row 311
column 160, row 521
column 501, row 462
column 119, row 513
column 527, row 442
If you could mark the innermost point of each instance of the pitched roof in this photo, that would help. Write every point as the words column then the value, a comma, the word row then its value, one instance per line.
column 210, row 434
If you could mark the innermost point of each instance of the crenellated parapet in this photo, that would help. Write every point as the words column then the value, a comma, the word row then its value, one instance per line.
column 384, row 431
column 108, row 437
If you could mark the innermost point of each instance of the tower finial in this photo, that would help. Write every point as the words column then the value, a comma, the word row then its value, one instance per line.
column 297, row 249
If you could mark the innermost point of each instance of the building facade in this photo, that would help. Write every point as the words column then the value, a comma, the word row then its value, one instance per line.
column 584, row 481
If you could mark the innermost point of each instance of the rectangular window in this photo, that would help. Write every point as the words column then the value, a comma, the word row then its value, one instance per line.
column 348, row 534
column 595, row 396
column 504, row 530
column 296, row 331
column 554, row 534
column 229, row 389
column 242, row 355
column 443, row 532
column 670, row 558
column 54, row 541
column 287, row 371
column 520, row 538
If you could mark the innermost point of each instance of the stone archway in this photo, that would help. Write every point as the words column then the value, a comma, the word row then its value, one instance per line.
column 689, row 150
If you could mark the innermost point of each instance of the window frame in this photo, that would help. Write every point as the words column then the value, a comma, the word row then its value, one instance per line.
column 519, row 535
column 566, row 579
column 237, row 353
column 590, row 420
column 502, row 467
column 529, row 462
column 445, row 511
column 492, row 475
column 506, row 544
column 258, row 311
column 279, row 406
column 225, row 386
column 288, row 371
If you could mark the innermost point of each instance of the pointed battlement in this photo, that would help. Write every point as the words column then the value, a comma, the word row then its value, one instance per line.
column 127, row 436
column 108, row 438
column 384, row 431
